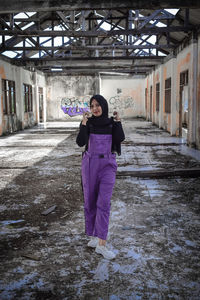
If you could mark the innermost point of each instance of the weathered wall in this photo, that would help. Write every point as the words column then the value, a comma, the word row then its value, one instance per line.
column 40, row 83
column 198, row 99
column 161, row 118
column 187, row 59
column 68, row 96
column 20, row 120
column 124, row 95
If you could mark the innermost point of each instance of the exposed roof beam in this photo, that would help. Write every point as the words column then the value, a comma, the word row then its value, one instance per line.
column 91, row 47
column 50, row 5
column 116, row 58
column 106, row 67
column 84, row 72
column 68, row 33
column 89, row 61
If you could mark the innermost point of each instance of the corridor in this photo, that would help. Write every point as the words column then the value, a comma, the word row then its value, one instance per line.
column 154, row 224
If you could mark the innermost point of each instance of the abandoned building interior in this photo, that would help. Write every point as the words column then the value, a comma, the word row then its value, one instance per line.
column 144, row 58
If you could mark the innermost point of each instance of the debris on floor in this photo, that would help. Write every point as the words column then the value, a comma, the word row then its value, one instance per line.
column 154, row 224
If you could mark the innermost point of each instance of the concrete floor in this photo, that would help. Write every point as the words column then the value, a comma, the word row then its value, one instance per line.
column 154, row 223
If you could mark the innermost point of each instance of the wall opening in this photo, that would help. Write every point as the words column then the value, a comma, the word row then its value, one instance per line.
column 183, row 100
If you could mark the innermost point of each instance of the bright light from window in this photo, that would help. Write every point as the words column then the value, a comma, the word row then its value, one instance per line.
column 161, row 54
column 19, row 44
column 46, row 41
column 58, row 28
column 27, row 25
column 105, row 25
column 172, row 11
column 152, row 39
column 30, row 14
column 159, row 24
column 58, row 41
column 56, row 69
column 21, row 15
column 35, row 55
column 10, row 54
column 7, row 37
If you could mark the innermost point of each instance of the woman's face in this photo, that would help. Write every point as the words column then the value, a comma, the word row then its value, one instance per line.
column 95, row 108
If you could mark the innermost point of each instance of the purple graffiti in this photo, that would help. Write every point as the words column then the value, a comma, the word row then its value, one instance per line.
column 74, row 111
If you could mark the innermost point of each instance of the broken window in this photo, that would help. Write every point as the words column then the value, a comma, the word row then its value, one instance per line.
column 184, row 96
column 28, row 98
column 9, row 99
column 157, row 96
column 184, row 78
column 168, row 95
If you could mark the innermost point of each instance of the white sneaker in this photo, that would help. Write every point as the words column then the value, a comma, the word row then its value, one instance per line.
column 105, row 252
column 93, row 242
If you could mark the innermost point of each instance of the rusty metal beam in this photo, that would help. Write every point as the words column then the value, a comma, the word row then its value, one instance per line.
column 102, row 33
column 91, row 47
column 51, row 5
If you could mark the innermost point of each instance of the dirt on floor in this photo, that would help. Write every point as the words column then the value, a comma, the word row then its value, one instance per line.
column 154, row 223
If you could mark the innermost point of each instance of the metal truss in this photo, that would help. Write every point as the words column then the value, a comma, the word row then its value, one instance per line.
column 45, row 40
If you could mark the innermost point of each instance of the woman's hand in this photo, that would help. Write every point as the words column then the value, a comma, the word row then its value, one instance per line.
column 116, row 116
column 85, row 118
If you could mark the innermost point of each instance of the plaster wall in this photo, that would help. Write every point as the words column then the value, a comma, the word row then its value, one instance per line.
column 168, row 72
column 68, row 96
column 20, row 120
column 124, row 95
column 183, row 63
column 170, row 69
column 187, row 59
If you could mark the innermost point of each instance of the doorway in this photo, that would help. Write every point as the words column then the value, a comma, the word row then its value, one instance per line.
column 183, row 111
column 41, row 105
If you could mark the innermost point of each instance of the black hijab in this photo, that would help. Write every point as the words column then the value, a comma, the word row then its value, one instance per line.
column 102, row 120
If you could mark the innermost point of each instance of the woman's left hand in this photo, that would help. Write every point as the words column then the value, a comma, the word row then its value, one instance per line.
column 116, row 116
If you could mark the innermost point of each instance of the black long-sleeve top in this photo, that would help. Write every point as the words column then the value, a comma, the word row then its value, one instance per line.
column 115, row 128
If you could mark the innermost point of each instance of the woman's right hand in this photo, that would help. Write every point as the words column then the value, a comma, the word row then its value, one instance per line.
column 85, row 118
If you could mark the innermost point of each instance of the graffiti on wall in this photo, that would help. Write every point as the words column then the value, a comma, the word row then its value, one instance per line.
column 73, row 106
column 121, row 103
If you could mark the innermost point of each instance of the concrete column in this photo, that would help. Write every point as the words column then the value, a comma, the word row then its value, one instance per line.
column 37, row 103
column 198, row 98
column 161, row 97
column 45, row 103
column 97, row 84
column 192, row 122
column 19, row 88
column 173, row 96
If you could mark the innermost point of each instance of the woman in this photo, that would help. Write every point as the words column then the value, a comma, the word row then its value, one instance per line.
column 101, row 136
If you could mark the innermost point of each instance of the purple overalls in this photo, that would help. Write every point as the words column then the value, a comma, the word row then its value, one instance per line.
column 98, row 177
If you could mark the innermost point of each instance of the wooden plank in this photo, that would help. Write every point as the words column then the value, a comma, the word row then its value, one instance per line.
column 160, row 173
column 49, row 210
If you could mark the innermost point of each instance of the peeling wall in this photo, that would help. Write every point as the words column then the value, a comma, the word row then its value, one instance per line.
column 68, row 96
column 13, row 122
column 187, row 59
column 124, row 95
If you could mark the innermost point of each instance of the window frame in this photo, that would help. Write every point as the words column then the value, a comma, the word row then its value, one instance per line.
column 9, row 97
column 168, row 95
column 158, row 96
column 28, row 98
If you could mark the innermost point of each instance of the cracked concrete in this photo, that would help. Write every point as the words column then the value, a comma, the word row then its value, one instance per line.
column 154, row 223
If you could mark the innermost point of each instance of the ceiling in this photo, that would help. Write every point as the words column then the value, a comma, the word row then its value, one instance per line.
column 95, row 37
